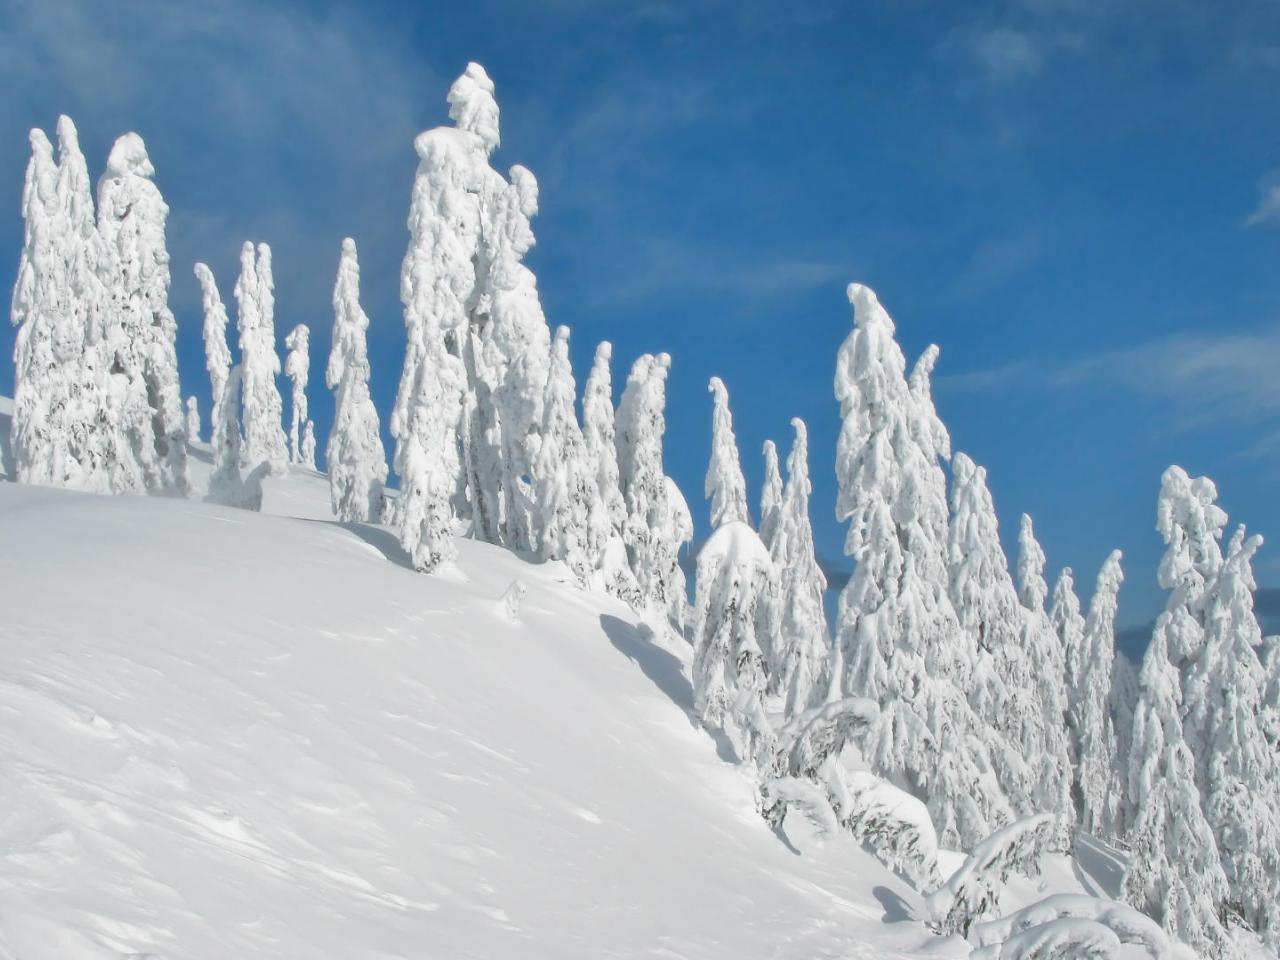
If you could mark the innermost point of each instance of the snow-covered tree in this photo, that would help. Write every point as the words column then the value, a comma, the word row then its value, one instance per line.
column 987, row 606
column 1238, row 773
column 598, row 435
column 297, row 367
column 262, row 410
column 1271, row 696
column 658, row 521
column 1174, row 873
column 1191, row 523
column 570, row 521
column 1068, row 926
column 227, row 485
column 1090, row 712
column 900, row 641
column 973, row 890
column 770, row 495
column 1121, row 704
column 355, row 458
column 193, row 420
column 1068, row 624
column 730, row 673
column 802, row 649
column 1053, row 779
column 725, row 484
column 141, row 331
column 512, row 359
column 217, row 356
column 64, row 428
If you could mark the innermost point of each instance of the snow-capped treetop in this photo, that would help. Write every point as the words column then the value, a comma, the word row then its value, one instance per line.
column 472, row 105
column 297, row 367
column 931, row 432
column 264, row 439
column 770, row 495
column 128, row 157
column 725, row 484
column 1090, row 709
column 1032, row 587
column 1191, row 523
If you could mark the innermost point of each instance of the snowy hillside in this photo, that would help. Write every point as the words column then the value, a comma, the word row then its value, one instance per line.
column 228, row 734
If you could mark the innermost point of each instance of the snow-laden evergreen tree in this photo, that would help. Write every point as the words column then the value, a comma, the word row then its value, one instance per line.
column 297, row 367
column 1122, row 702
column 217, row 356
column 512, row 359
column 1068, row 624
column 355, row 458
column 770, row 494
column 730, row 673
column 438, row 286
column 141, row 331
column 571, row 523
column 193, row 420
column 227, row 485
column 1238, row 772
column 725, row 485
column 802, row 650
column 598, row 436
column 1174, row 873
column 1090, row 712
column 1053, row 775
column 64, row 428
column 262, row 410
column 658, row 521
column 1271, row 695
column 1191, row 523
column 987, row 606
column 900, row 641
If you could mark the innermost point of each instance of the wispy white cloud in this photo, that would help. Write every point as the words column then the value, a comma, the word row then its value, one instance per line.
column 1268, row 208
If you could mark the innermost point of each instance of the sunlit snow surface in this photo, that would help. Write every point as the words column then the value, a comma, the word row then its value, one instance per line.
column 225, row 734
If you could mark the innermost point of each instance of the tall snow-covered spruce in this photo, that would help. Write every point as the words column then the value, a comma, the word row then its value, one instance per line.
column 658, row 522
column 771, row 494
column 217, row 355
column 900, row 641
column 141, row 330
column 262, row 410
column 1090, row 713
column 735, row 585
column 1053, row 781
column 802, row 649
column 297, row 367
column 354, row 458
column 570, row 521
column 64, row 430
column 1174, row 873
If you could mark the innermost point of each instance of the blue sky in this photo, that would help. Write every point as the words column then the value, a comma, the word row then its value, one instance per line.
column 1079, row 200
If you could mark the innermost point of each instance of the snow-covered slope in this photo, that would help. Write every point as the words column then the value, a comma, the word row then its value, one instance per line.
column 225, row 734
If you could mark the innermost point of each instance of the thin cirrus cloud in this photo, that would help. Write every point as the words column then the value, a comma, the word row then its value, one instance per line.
column 1203, row 378
column 1267, row 211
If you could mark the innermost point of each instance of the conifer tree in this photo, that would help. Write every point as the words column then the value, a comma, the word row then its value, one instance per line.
column 355, row 458
column 1053, row 782
column 571, row 523
column 217, row 356
column 735, row 585
column 770, row 494
column 803, row 646
column 598, row 436
column 1092, row 724
column 725, row 484
column 987, row 606
column 1173, row 874
column 141, row 331
column 658, row 521
column 262, row 410
column 193, row 420
column 900, row 641
column 227, row 485
column 1238, row 773
column 297, row 367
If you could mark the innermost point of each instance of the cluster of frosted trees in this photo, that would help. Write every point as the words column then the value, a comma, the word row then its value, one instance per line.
column 973, row 691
